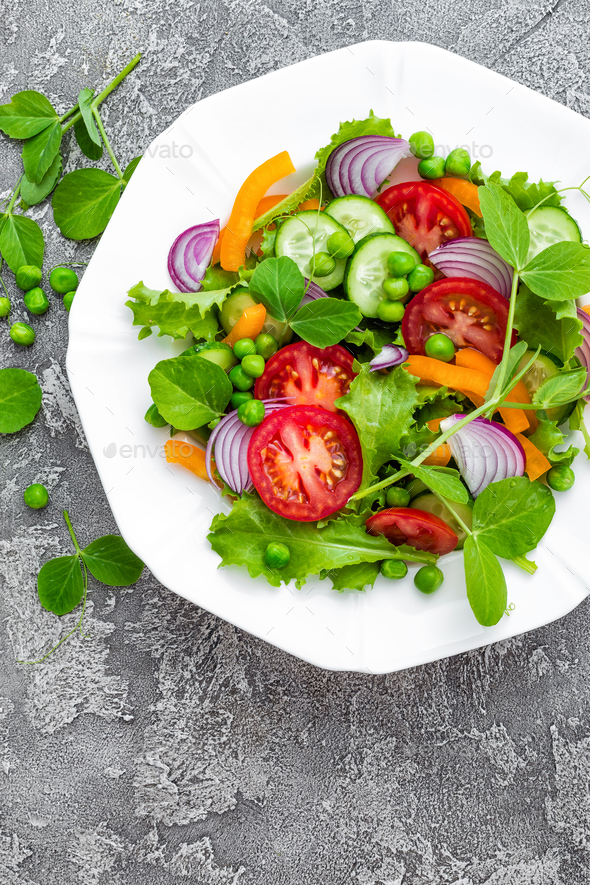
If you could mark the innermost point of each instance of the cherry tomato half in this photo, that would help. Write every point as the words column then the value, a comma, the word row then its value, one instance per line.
column 305, row 462
column 425, row 216
column 419, row 529
column 470, row 313
column 308, row 375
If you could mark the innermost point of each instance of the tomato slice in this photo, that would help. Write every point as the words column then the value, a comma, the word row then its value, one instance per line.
column 419, row 529
column 471, row 313
column 305, row 462
column 307, row 375
column 425, row 216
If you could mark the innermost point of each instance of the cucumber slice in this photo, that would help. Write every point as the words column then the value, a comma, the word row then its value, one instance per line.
column 367, row 270
column 302, row 236
column 431, row 504
column 544, row 367
column 549, row 225
column 360, row 216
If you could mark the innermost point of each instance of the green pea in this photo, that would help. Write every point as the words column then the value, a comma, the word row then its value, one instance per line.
column 428, row 578
column 4, row 306
column 239, row 379
column 68, row 299
column 28, row 276
column 36, row 496
column 422, row 144
column 239, row 397
column 394, row 568
column 440, row 347
column 420, row 277
column 561, row 478
column 63, row 279
column 36, row 301
column 458, row 162
column 390, row 311
column 400, row 263
column 277, row 555
column 243, row 347
column 322, row 265
column 253, row 365
column 395, row 288
column 340, row 244
column 153, row 417
column 397, row 497
column 251, row 413
column 434, row 167
column 22, row 334
column 266, row 345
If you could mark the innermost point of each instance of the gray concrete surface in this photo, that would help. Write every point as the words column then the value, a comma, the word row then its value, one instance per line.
column 172, row 747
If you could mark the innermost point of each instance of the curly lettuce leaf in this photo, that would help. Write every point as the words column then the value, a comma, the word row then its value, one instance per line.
column 524, row 193
column 176, row 313
column 310, row 188
column 352, row 577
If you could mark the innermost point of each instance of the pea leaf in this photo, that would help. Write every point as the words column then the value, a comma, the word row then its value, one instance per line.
column 279, row 285
column 560, row 388
column 538, row 325
column 515, row 355
column 39, row 152
column 20, row 399
column 525, row 194
column 85, row 103
column 111, row 561
column 352, row 577
column 506, row 226
column 576, row 422
column 34, row 192
column 21, row 241
column 84, row 201
column 444, row 482
column 85, row 143
column 241, row 537
column 27, row 114
column 486, row 584
column 374, row 338
column 547, row 436
column 130, row 168
column 560, row 272
column 511, row 516
column 326, row 321
column 189, row 391
column 176, row 313
column 60, row 584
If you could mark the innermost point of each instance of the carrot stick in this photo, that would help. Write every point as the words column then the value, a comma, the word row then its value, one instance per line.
column 464, row 191
column 217, row 248
column 187, row 455
column 536, row 462
column 243, row 214
column 469, row 358
column 249, row 325
column 471, row 382
column 264, row 205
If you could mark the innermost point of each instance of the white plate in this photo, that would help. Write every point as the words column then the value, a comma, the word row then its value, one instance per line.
column 190, row 174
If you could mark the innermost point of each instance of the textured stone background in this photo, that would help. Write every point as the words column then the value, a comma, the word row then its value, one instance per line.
column 171, row 747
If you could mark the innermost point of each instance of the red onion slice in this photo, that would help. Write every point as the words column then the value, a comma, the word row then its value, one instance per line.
column 360, row 165
column 391, row 355
column 190, row 255
column 485, row 452
column 474, row 258
column 583, row 351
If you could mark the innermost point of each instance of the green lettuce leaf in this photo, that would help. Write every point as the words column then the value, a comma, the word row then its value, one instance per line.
column 352, row 577
column 176, row 313
column 536, row 322
column 524, row 193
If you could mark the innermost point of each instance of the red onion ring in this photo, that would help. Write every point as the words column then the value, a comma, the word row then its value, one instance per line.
column 474, row 258
column 190, row 255
column 360, row 165
column 485, row 452
column 391, row 355
column 583, row 351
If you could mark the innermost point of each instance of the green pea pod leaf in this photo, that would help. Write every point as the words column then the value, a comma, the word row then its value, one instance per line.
column 444, row 482
column 111, row 561
column 84, row 201
column 40, row 151
column 506, row 225
column 352, row 577
column 21, row 241
column 511, row 516
column 20, row 399
column 326, row 321
column 33, row 192
column 515, row 355
column 85, row 104
column 561, row 388
column 560, row 272
column 60, row 584
column 130, row 168
column 189, row 391
column 86, row 144
column 279, row 285
column 27, row 114
column 486, row 584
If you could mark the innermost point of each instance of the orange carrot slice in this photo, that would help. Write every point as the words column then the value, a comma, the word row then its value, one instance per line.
column 536, row 462
column 249, row 325
column 187, row 455
column 309, row 205
column 243, row 214
column 469, row 358
column 264, row 205
column 464, row 191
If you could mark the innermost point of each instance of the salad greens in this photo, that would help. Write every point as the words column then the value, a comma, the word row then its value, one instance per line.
column 20, row 399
